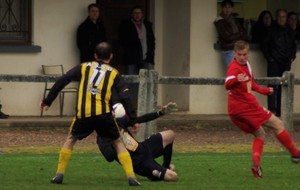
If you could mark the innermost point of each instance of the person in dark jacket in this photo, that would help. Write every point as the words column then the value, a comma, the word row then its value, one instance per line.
column 261, row 27
column 90, row 33
column 3, row 115
column 279, row 49
column 137, row 39
column 292, row 22
column 229, row 31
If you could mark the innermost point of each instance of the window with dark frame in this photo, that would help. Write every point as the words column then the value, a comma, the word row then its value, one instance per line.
column 15, row 22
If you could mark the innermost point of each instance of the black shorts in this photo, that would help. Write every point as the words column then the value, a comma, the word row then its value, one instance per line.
column 154, row 147
column 104, row 125
column 154, row 144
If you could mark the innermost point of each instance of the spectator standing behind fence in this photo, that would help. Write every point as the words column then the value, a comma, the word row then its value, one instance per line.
column 261, row 27
column 246, row 112
column 292, row 21
column 90, row 33
column 3, row 115
column 279, row 48
column 229, row 31
column 138, row 42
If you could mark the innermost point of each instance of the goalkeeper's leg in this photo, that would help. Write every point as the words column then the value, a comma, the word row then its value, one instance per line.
column 126, row 162
column 168, row 137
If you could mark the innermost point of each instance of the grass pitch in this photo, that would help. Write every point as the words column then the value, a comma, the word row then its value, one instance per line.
column 90, row 171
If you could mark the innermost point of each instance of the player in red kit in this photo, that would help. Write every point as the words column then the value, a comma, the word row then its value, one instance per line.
column 245, row 111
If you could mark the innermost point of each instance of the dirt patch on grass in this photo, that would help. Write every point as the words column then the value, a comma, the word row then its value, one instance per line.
column 190, row 137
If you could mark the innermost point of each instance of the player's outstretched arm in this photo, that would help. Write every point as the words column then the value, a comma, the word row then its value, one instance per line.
column 43, row 106
column 169, row 108
column 121, row 115
column 166, row 109
column 260, row 89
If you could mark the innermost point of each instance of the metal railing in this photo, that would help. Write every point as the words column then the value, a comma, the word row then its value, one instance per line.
column 148, row 81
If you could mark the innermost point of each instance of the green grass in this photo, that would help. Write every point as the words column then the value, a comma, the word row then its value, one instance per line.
column 90, row 171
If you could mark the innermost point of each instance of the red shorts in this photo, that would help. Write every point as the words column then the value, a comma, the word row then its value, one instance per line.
column 249, row 122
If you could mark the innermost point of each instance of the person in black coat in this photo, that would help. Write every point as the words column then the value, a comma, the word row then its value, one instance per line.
column 90, row 33
column 279, row 49
column 137, row 39
column 3, row 115
column 261, row 27
column 292, row 21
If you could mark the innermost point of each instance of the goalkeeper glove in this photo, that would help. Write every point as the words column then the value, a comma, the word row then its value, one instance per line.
column 166, row 109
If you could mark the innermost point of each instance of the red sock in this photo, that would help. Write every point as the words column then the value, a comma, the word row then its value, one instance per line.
column 287, row 141
column 257, row 149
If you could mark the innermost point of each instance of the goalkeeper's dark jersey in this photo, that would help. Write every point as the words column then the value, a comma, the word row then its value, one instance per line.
column 99, row 85
column 141, row 153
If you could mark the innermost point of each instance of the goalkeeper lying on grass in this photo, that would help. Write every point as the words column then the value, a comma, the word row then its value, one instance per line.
column 143, row 154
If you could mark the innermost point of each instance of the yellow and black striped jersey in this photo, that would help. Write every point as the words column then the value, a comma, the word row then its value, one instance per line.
column 100, row 85
column 95, row 89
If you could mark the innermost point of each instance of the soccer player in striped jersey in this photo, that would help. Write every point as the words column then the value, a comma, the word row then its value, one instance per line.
column 245, row 111
column 98, row 84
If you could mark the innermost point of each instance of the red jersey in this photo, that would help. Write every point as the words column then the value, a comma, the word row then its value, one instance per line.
column 240, row 98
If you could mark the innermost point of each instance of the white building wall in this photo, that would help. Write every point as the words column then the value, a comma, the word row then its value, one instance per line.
column 188, row 43
column 205, row 61
column 176, row 50
column 54, row 29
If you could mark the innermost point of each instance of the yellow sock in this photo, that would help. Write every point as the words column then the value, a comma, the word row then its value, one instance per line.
column 126, row 162
column 64, row 157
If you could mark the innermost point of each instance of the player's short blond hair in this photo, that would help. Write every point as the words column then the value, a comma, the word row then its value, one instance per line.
column 240, row 45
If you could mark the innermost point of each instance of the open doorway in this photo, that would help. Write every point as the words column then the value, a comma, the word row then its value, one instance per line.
column 112, row 13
